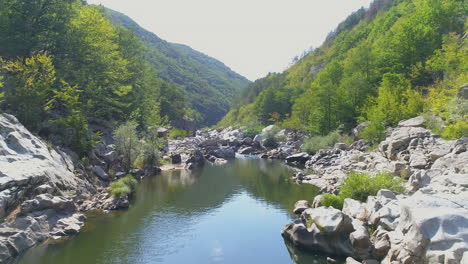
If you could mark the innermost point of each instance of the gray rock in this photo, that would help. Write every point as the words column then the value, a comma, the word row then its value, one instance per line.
column 224, row 153
column 248, row 151
column 430, row 230
column 176, row 158
column 247, row 141
column 44, row 188
column 111, row 156
column 47, row 201
column 350, row 260
column 99, row 171
column 258, row 139
column 195, row 160
column 413, row 122
column 317, row 201
column 361, row 243
column 328, row 219
column 40, row 164
column 386, row 194
column 300, row 206
column 418, row 160
column 300, row 158
column 219, row 161
column 341, row 146
column 354, row 209
column 371, row 261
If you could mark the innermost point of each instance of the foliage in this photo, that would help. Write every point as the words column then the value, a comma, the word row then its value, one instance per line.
column 456, row 130
column 32, row 78
column 396, row 60
column 313, row 144
column 127, row 142
column 150, row 153
column 374, row 132
column 332, row 200
column 125, row 186
column 178, row 133
column 252, row 130
column 197, row 82
column 67, row 65
column 271, row 138
column 359, row 186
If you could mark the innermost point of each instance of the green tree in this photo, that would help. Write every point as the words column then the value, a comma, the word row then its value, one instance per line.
column 127, row 143
column 30, row 80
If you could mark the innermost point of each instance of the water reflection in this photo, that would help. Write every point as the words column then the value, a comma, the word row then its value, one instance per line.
column 217, row 214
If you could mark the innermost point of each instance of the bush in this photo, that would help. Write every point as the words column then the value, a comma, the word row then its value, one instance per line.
column 313, row 144
column 271, row 138
column 359, row 186
column 127, row 142
column 178, row 133
column 456, row 130
column 374, row 132
column 252, row 131
column 124, row 186
column 332, row 200
column 434, row 123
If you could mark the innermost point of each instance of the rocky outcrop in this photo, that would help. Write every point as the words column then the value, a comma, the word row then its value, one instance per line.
column 429, row 224
column 37, row 184
column 27, row 163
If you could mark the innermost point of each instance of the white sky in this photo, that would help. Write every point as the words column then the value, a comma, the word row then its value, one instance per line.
column 252, row 37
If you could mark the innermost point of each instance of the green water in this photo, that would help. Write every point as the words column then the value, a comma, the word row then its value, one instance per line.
column 218, row 214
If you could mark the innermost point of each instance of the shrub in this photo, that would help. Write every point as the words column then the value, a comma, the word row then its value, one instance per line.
column 456, row 130
column 127, row 142
column 124, row 186
column 271, row 138
column 178, row 133
column 359, row 186
column 149, row 153
column 252, row 131
column 332, row 200
column 313, row 144
column 433, row 123
column 374, row 132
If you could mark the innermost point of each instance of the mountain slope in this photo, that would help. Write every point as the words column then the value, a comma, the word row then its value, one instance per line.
column 209, row 85
column 395, row 60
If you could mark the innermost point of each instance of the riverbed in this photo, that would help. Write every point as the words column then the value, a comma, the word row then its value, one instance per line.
column 216, row 214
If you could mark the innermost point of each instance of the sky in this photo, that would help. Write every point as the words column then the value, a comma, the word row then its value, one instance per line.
column 252, row 37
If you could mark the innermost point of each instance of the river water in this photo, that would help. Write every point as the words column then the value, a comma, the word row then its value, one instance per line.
column 217, row 214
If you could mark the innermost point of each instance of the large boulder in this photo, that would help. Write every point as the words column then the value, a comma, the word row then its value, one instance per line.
column 224, row 153
column 400, row 139
column 300, row 206
column 27, row 162
column 430, row 230
column 195, row 160
column 299, row 158
column 413, row 122
column 47, row 201
column 322, row 229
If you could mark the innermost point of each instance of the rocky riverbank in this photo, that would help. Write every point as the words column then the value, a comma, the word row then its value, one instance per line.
column 428, row 224
column 44, row 190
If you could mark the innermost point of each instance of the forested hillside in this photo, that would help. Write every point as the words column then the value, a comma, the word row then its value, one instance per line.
column 392, row 61
column 65, row 67
column 209, row 85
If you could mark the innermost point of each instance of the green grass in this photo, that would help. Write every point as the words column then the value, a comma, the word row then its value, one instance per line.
column 359, row 186
column 124, row 186
column 313, row 144
column 332, row 200
column 178, row 133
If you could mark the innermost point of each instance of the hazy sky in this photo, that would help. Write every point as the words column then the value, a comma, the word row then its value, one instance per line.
column 252, row 37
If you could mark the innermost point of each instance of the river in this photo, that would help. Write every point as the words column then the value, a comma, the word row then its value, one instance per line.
column 217, row 214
